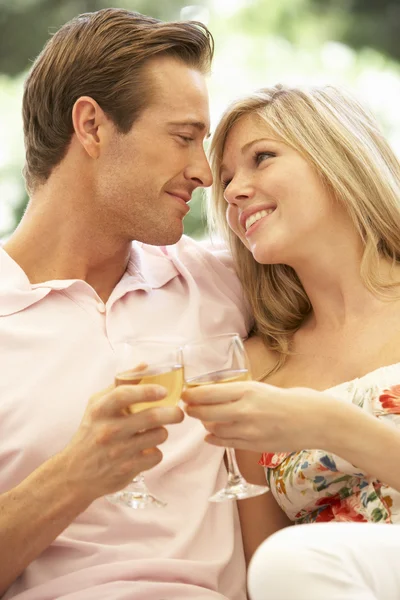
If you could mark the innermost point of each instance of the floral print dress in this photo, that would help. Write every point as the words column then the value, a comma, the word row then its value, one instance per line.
column 316, row 486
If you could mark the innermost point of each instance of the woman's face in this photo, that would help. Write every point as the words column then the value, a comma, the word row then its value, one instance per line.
column 277, row 204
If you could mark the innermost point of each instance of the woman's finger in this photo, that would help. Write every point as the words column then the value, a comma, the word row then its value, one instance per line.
column 228, row 443
column 217, row 413
column 216, row 394
column 227, row 431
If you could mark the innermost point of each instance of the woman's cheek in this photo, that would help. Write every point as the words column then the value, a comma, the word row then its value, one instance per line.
column 232, row 216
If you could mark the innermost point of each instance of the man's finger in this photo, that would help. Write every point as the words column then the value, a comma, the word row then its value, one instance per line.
column 102, row 393
column 130, row 376
column 153, row 418
column 119, row 400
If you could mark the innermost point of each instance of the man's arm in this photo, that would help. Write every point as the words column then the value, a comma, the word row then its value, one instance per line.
column 33, row 514
column 108, row 450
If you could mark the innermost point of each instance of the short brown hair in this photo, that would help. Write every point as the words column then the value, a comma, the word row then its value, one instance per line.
column 100, row 55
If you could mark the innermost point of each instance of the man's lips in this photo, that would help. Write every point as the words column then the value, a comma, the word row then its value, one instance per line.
column 181, row 197
column 184, row 196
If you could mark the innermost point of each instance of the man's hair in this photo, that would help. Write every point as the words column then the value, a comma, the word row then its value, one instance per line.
column 344, row 145
column 101, row 55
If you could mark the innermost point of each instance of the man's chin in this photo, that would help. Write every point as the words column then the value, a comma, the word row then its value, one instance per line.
column 163, row 238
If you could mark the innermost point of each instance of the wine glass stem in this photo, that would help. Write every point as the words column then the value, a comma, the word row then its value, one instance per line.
column 234, row 474
column 138, row 482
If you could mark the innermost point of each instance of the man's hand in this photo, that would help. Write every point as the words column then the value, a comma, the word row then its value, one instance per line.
column 111, row 445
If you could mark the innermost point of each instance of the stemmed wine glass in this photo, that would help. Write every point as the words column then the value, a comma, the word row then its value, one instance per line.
column 147, row 362
column 221, row 359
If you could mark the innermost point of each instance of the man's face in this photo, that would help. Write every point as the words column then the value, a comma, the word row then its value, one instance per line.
column 146, row 177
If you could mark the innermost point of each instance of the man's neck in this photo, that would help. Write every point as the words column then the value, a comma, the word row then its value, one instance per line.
column 53, row 245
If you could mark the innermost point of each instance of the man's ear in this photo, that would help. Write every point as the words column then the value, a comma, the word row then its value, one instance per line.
column 89, row 121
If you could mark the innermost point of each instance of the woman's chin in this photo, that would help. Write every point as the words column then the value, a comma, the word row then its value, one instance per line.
column 266, row 255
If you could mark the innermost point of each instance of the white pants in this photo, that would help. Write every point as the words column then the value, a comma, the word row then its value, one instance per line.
column 328, row 561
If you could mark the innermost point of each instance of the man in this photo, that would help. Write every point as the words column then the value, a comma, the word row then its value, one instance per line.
column 115, row 113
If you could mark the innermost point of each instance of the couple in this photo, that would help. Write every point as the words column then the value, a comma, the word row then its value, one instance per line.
column 115, row 115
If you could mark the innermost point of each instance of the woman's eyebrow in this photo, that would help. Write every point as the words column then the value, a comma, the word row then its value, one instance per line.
column 246, row 147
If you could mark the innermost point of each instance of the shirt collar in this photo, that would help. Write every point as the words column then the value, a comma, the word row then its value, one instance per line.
column 152, row 264
column 149, row 267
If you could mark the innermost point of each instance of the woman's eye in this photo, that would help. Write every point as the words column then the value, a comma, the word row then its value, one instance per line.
column 225, row 183
column 259, row 157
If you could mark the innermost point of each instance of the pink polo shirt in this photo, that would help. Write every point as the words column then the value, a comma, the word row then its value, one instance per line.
column 57, row 344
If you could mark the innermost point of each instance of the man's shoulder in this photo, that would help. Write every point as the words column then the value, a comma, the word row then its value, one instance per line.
column 208, row 253
column 208, row 263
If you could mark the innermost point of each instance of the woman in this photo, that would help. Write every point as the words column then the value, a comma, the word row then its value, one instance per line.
column 310, row 191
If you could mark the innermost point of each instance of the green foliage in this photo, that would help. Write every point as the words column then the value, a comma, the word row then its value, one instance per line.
column 373, row 23
column 357, row 23
column 195, row 221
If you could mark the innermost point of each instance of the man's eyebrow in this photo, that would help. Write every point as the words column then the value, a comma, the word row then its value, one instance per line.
column 197, row 124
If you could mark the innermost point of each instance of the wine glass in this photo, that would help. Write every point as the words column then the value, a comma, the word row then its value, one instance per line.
column 147, row 362
column 221, row 359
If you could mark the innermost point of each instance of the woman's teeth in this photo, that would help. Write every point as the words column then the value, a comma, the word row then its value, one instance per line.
column 257, row 216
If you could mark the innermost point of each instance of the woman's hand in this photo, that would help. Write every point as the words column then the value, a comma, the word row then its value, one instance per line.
column 260, row 417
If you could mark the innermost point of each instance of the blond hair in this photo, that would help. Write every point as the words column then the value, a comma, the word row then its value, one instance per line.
column 343, row 143
column 101, row 55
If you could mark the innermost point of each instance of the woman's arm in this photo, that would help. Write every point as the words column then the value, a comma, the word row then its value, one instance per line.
column 261, row 516
column 366, row 442
column 264, row 418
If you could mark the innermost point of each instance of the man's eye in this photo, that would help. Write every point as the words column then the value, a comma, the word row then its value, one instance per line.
column 186, row 138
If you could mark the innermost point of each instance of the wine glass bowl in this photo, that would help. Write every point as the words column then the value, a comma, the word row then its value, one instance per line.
column 169, row 376
column 214, row 360
column 141, row 362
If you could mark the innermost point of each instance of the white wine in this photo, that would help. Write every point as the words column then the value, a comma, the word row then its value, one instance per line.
column 223, row 376
column 169, row 376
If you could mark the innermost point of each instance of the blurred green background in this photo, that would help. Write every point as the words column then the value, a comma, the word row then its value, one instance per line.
column 351, row 43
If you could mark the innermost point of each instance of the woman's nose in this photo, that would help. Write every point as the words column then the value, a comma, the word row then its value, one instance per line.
column 237, row 190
